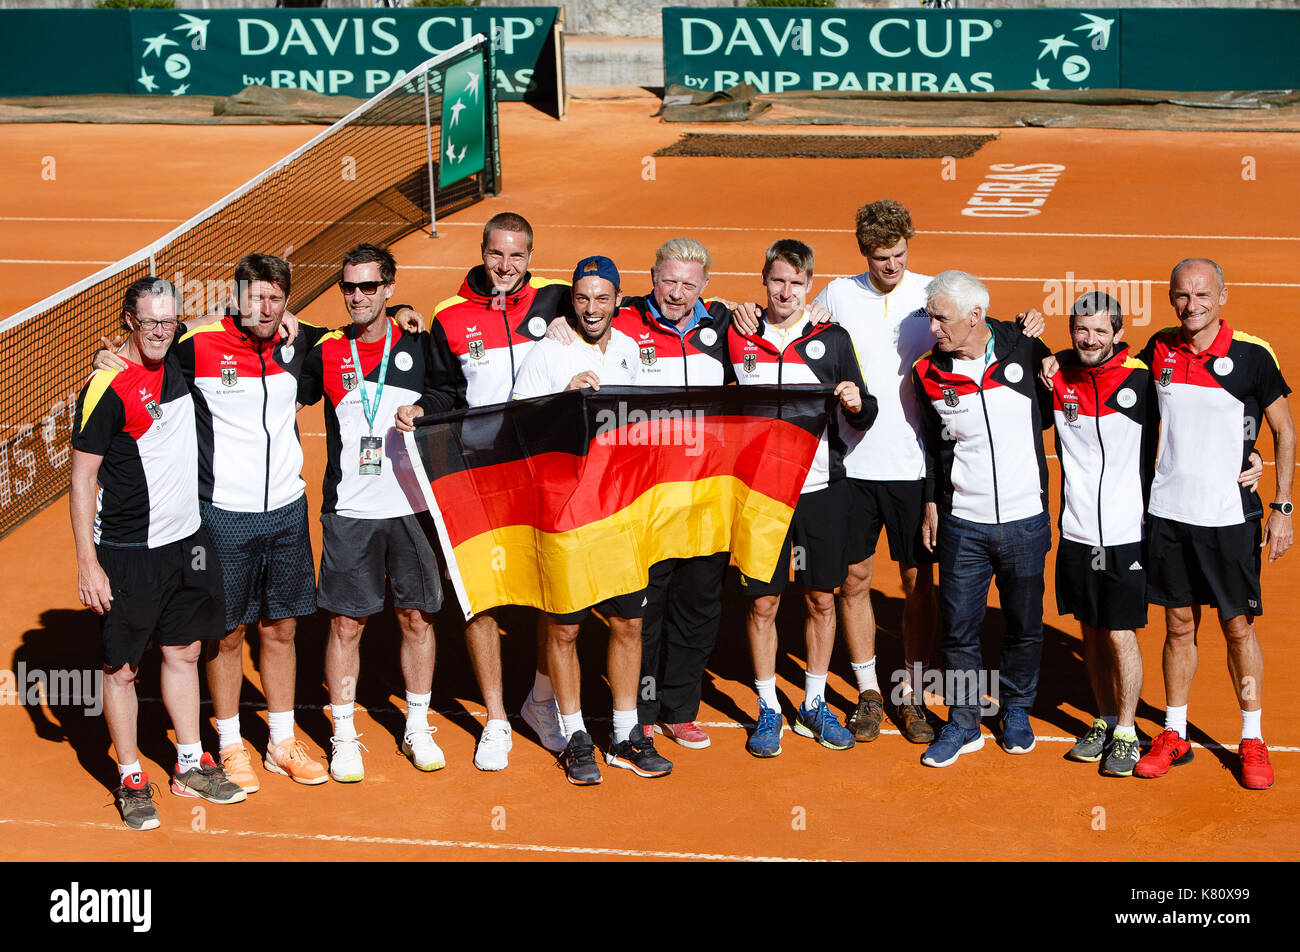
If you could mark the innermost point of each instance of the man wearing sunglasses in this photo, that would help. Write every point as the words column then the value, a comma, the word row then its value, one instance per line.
column 365, row 372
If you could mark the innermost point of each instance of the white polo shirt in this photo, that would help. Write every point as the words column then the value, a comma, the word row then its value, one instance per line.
column 550, row 365
column 890, row 332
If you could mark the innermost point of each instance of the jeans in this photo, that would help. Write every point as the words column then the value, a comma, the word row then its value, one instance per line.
column 971, row 555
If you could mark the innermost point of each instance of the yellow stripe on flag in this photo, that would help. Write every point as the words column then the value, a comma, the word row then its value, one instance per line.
column 562, row 572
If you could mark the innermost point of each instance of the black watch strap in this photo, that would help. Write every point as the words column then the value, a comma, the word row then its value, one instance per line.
column 1283, row 507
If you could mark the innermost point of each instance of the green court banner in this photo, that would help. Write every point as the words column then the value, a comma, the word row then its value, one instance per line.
column 983, row 50
column 351, row 52
column 464, row 126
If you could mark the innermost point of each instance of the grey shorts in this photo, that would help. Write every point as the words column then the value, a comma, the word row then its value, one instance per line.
column 358, row 554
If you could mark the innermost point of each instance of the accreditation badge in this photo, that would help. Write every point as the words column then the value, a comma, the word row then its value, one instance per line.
column 372, row 455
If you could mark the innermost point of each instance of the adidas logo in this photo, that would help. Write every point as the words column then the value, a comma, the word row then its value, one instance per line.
column 1135, row 567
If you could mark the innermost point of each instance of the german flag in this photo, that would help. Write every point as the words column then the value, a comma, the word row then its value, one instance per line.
column 566, row 500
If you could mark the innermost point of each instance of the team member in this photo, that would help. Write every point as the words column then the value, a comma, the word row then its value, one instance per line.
column 983, row 417
column 789, row 348
column 144, row 563
column 252, row 497
column 599, row 355
column 1101, row 405
column 681, row 341
column 480, row 339
column 370, row 533
column 1212, row 385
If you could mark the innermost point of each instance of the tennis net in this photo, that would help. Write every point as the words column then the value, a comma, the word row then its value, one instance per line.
column 372, row 176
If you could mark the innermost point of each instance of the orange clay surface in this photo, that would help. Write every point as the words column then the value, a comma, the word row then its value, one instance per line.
column 1126, row 207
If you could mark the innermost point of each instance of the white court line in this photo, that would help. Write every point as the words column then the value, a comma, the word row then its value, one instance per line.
column 721, row 725
column 444, row 844
column 705, row 228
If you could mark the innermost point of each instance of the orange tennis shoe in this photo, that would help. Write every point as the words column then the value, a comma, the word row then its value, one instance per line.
column 239, row 767
column 289, row 758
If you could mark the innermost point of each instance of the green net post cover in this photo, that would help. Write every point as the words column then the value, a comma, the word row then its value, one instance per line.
column 464, row 100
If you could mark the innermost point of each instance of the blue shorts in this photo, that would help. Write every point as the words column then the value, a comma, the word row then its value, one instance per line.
column 265, row 560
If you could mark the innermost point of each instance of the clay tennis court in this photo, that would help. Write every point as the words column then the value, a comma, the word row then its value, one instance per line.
column 1126, row 206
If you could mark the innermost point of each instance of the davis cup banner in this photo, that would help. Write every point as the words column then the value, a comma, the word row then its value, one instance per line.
column 351, row 52
column 948, row 51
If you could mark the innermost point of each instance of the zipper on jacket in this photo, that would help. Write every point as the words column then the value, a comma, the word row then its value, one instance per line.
column 993, row 456
column 1101, row 477
column 266, row 483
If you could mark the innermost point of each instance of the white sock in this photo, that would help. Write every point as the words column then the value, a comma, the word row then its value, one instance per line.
column 915, row 681
column 542, row 689
column 767, row 691
column 814, row 688
column 866, row 675
column 1176, row 720
column 188, row 756
column 570, row 724
column 280, row 726
column 1250, row 725
column 344, row 727
column 417, row 711
column 228, row 731
column 1125, row 732
column 125, row 770
column 624, row 722
column 1110, row 720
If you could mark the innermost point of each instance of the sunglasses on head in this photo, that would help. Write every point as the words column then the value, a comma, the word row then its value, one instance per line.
column 366, row 287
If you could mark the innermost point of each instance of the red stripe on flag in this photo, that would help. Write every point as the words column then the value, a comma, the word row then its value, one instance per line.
column 771, row 456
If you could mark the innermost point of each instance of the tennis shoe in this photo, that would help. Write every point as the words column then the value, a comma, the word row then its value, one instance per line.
column 345, row 759
column 1168, row 750
column 418, row 745
column 134, row 800
column 208, row 782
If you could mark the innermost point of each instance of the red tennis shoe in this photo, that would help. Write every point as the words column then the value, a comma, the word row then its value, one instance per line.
column 1256, row 771
column 1167, row 750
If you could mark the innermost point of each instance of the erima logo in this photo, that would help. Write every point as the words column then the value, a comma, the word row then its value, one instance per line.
column 227, row 358
column 1135, row 567
column 75, row 905
column 471, row 330
column 345, row 361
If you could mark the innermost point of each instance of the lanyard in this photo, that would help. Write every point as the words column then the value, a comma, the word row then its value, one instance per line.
column 370, row 414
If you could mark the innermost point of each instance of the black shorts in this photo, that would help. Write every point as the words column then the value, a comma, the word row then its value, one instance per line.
column 357, row 555
column 631, row 605
column 817, row 541
column 1205, row 565
column 896, row 505
column 1104, row 587
column 265, row 560
column 171, row 595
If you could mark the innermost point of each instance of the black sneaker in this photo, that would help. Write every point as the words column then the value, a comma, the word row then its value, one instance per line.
column 638, row 754
column 579, row 760
column 135, row 802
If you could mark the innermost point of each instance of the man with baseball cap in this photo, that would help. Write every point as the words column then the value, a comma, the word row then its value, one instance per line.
column 599, row 355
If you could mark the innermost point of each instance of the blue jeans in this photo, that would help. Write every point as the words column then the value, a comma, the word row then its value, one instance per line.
column 971, row 555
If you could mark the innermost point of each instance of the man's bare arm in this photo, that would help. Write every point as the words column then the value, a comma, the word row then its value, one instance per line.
column 93, row 587
column 1278, row 530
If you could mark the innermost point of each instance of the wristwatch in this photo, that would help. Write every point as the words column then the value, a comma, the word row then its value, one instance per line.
column 1283, row 507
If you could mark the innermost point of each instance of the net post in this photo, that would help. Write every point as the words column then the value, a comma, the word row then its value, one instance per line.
column 428, row 148
column 490, row 116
